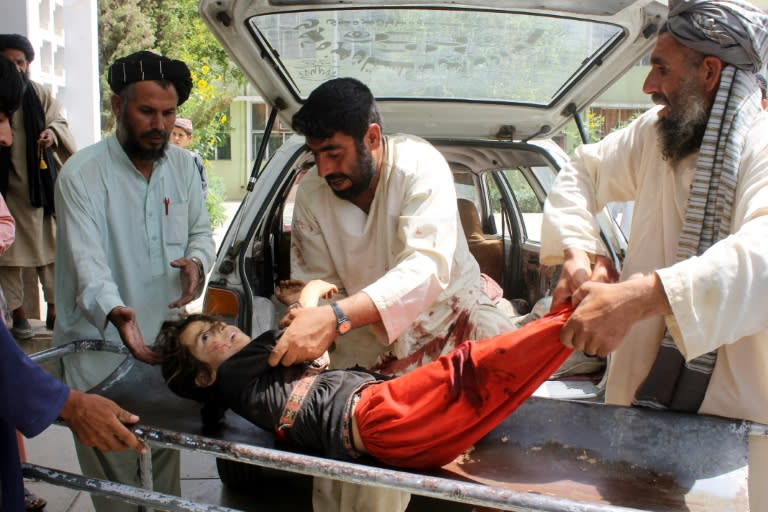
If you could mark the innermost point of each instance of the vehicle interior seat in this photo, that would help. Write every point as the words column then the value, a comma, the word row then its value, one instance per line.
column 488, row 250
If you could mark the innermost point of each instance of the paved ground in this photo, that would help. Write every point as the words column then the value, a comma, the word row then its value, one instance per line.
column 199, row 478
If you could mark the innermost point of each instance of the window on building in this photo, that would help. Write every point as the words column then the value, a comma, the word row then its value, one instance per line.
column 58, row 62
column 46, row 57
column 259, row 117
column 45, row 14
column 58, row 20
column 223, row 149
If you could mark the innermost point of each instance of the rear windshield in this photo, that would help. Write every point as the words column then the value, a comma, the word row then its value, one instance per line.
column 498, row 57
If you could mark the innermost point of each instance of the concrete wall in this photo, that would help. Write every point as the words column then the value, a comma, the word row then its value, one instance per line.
column 82, row 95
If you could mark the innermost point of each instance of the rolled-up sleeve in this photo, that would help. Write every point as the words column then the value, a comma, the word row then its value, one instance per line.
column 428, row 229
column 597, row 174
column 731, row 277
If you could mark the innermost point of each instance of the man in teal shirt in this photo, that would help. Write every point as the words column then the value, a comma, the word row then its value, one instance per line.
column 133, row 243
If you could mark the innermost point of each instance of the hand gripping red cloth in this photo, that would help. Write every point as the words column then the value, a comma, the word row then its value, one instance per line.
column 428, row 417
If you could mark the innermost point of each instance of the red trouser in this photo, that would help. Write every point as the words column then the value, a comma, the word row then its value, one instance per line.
column 428, row 417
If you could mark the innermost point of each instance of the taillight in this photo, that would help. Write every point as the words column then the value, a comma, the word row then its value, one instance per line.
column 222, row 303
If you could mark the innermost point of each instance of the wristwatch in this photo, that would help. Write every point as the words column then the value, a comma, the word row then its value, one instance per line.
column 343, row 324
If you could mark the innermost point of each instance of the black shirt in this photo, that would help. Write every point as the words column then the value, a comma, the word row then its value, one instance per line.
column 258, row 392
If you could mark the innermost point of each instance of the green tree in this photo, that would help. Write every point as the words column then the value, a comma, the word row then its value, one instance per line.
column 594, row 125
column 124, row 28
column 174, row 29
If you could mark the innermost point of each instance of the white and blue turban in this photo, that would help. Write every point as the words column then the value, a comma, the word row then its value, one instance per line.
column 732, row 30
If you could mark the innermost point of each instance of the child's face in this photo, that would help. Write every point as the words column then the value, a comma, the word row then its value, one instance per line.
column 213, row 343
column 180, row 137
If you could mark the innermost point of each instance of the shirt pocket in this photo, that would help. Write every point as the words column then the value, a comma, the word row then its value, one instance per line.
column 176, row 224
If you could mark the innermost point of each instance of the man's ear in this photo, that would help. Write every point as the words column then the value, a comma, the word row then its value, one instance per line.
column 205, row 377
column 711, row 67
column 115, row 102
column 373, row 136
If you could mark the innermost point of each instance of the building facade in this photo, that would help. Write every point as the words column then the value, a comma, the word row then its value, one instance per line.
column 65, row 38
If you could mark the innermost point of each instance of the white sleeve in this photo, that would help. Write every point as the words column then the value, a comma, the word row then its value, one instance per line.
column 719, row 297
column 597, row 174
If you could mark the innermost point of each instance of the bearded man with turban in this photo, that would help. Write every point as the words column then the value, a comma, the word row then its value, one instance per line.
column 42, row 142
column 686, row 322
column 134, row 243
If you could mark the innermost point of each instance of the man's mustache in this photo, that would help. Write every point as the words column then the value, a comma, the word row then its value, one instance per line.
column 335, row 176
column 155, row 133
column 25, row 79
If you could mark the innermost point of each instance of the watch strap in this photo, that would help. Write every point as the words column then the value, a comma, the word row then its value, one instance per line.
column 343, row 324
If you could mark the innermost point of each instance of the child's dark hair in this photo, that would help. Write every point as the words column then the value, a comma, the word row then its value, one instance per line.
column 179, row 366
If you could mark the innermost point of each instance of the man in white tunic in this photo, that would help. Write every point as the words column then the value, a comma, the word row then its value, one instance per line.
column 686, row 323
column 134, row 241
column 377, row 217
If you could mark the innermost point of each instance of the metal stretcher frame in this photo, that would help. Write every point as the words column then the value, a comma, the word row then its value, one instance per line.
column 548, row 456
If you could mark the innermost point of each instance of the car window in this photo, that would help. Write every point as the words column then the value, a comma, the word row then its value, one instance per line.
column 445, row 53
column 622, row 214
column 545, row 175
column 466, row 186
column 527, row 202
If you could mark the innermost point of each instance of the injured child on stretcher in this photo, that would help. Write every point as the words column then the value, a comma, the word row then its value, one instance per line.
column 420, row 420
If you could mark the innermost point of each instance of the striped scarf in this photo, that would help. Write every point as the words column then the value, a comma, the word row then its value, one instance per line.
column 673, row 383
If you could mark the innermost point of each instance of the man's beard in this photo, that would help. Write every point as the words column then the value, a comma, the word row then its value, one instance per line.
column 132, row 144
column 682, row 130
column 366, row 169
column 25, row 79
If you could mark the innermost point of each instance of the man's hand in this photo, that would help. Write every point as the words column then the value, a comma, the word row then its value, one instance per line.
column 577, row 270
column 124, row 319
column 606, row 312
column 603, row 271
column 99, row 422
column 288, row 291
column 46, row 139
column 190, row 279
column 310, row 333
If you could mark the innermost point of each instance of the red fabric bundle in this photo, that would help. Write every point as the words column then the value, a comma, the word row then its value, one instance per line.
column 428, row 417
